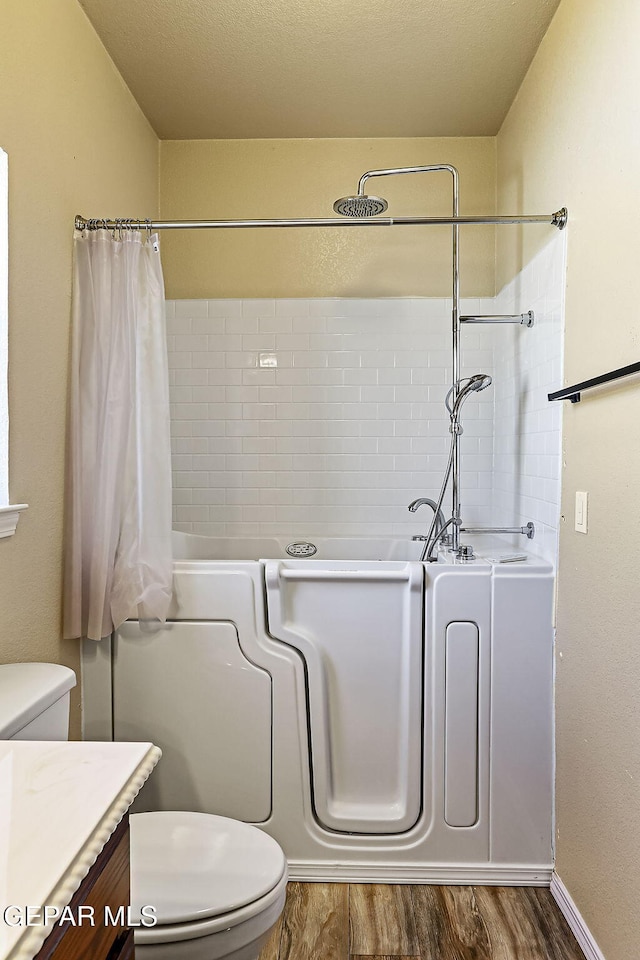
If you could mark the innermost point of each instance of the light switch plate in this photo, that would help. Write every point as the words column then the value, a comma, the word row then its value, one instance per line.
column 581, row 511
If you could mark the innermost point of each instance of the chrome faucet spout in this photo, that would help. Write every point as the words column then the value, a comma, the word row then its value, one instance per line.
column 439, row 515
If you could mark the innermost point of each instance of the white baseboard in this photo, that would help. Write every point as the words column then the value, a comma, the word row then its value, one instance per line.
column 575, row 920
column 486, row 874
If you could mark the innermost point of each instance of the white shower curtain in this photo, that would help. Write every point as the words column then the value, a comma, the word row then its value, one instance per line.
column 118, row 495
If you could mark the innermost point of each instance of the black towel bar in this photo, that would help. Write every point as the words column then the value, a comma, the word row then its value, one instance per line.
column 573, row 393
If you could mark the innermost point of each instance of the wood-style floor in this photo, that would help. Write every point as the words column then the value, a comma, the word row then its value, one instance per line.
column 340, row 921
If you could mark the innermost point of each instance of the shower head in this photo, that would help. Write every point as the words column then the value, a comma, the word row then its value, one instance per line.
column 360, row 206
column 364, row 206
column 479, row 381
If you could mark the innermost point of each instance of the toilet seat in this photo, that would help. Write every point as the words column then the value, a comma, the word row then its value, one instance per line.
column 201, row 872
column 254, row 918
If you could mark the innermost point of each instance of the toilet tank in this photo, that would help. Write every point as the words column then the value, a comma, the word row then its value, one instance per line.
column 34, row 701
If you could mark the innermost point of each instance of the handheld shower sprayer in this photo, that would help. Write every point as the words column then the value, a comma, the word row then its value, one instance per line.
column 466, row 386
column 478, row 382
column 474, row 384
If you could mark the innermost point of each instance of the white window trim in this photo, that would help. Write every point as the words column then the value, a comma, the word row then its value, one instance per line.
column 9, row 513
column 9, row 517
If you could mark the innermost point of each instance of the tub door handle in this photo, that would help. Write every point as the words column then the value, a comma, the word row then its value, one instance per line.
column 289, row 574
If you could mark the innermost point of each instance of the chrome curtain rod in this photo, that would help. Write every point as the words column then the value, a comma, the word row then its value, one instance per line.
column 557, row 219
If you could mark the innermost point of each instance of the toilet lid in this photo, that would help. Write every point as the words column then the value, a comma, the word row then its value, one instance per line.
column 190, row 866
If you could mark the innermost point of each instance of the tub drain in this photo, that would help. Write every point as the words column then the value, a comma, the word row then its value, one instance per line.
column 301, row 548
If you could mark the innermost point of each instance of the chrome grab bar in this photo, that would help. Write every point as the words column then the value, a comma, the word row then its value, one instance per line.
column 528, row 530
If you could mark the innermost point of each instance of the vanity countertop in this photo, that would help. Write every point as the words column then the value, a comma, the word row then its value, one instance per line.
column 59, row 804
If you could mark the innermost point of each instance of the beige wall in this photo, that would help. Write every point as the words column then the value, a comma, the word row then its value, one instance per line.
column 77, row 143
column 250, row 179
column 573, row 136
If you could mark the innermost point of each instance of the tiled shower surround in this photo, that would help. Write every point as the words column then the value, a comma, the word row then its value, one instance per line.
column 527, row 427
column 326, row 417
column 340, row 436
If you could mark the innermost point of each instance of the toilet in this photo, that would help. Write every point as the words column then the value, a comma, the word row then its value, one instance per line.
column 218, row 885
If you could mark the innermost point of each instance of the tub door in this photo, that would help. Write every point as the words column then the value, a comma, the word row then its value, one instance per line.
column 189, row 688
column 359, row 627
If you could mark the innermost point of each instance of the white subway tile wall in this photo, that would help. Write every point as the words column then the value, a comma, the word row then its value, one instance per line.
column 527, row 427
column 326, row 416
column 321, row 416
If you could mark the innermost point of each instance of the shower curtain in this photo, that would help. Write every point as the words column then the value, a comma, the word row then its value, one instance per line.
column 118, row 493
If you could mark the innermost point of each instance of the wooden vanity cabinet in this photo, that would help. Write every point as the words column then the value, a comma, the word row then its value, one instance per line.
column 106, row 884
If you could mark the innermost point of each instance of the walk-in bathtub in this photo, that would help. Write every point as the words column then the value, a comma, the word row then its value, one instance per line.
column 187, row 547
column 383, row 719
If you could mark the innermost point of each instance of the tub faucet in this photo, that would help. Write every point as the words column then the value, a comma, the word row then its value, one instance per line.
column 415, row 504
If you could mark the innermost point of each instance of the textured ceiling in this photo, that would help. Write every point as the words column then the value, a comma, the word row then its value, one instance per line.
column 206, row 69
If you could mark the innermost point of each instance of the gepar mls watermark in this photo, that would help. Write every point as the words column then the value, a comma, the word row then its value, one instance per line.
column 81, row 916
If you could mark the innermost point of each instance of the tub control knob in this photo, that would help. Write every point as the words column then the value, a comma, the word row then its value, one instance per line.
column 465, row 553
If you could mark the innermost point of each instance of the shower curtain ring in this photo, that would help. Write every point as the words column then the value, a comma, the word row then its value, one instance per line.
column 148, row 223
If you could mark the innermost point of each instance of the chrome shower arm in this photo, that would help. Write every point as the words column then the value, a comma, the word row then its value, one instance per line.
column 455, row 312
column 393, row 171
